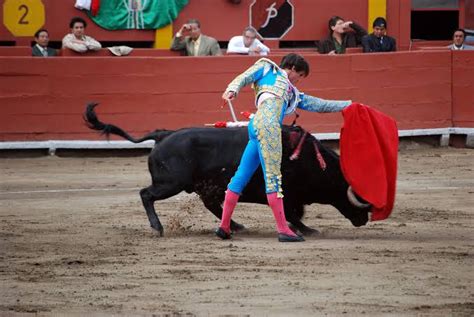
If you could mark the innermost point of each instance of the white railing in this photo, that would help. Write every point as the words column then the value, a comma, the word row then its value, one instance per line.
column 53, row 145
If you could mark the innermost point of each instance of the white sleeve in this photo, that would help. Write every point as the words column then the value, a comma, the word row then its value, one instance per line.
column 264, row 50
column 236, row 45
column 92, row 44
column 68, row 41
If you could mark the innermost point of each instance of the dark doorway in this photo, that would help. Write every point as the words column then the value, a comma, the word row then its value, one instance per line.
column 434, row 25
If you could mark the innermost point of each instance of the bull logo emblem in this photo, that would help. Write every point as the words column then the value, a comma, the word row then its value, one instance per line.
column 135, row 18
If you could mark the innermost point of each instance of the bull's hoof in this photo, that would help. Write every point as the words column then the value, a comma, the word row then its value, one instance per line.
column 222, row 234
column 305, row 231
column 310, row 232
column 159, row 229
column 236, row 227
column 287, row 238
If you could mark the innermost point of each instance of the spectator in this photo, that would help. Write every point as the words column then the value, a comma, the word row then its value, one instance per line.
column 458, row 41
column 41, row 48
column 190, row 39
column 341, row 36
column 247, row 43
column 379, row 41
column 77, row 40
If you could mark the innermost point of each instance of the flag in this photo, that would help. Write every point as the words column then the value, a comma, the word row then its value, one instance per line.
column 135, row 14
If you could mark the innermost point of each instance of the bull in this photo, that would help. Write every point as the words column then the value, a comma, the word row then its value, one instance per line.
column 202, row 160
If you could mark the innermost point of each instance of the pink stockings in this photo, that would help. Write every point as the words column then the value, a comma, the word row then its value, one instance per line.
column 275, row 203
column 230, row 201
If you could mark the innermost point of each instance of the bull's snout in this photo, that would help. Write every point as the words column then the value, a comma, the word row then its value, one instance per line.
column 360, row 222
column 361, row 219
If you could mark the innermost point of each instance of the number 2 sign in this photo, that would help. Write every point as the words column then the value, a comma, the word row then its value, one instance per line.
column 23, row 17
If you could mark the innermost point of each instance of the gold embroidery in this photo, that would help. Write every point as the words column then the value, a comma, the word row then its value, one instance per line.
column 279, row 88
column 268, row 130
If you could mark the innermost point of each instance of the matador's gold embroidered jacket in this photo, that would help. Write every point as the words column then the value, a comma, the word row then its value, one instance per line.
column 266, row 76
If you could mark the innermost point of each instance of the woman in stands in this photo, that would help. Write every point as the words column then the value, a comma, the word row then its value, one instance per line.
column 276, row 96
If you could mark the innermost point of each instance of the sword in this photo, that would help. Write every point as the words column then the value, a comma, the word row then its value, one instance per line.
column 231, row 108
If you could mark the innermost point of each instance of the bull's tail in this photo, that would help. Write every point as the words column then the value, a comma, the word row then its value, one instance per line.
column 93, row 122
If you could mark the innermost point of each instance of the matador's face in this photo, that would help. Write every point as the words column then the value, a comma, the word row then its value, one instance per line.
column 295, row 76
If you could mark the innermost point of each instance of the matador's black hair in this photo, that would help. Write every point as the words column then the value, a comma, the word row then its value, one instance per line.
column 295, row 61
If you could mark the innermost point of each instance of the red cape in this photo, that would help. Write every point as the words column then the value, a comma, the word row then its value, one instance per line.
column 369, row 150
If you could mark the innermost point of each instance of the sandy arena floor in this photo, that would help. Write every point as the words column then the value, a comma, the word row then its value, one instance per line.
column 74, row 239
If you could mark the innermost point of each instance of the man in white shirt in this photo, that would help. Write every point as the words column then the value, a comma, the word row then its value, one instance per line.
column 247, row 44
column 458, row 41
column 77, row 40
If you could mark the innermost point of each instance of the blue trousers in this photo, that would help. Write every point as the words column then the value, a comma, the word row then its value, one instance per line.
column 264, row 148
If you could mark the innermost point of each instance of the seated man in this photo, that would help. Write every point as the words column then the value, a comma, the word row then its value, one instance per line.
column 342, row 34
column 41, row 48
column 77, row 40
column 458, row 41
column 190, row 39
column 247, row 43
column 379, row 41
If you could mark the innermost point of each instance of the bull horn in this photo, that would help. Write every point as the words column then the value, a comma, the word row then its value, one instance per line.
column 353, row 199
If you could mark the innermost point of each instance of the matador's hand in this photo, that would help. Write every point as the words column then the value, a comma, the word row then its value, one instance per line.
column 228, row 95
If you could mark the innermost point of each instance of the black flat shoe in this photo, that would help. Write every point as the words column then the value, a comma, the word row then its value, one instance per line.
column 222, row 234
column 286, row 238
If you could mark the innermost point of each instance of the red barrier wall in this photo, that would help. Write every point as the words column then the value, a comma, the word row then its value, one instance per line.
column 27, row 50
column 43, row 99
column 463, row 88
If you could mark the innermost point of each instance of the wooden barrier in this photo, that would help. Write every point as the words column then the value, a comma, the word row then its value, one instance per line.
column 431, row 48
column 26, row 51
column 135, row 52
column 15, row 51
column 354, row 50
column 43, row 99
column 463, row 88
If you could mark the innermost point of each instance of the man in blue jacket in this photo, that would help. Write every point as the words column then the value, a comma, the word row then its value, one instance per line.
column 379, row 41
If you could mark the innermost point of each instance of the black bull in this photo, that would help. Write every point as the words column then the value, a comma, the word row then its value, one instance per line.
column 202, row 160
